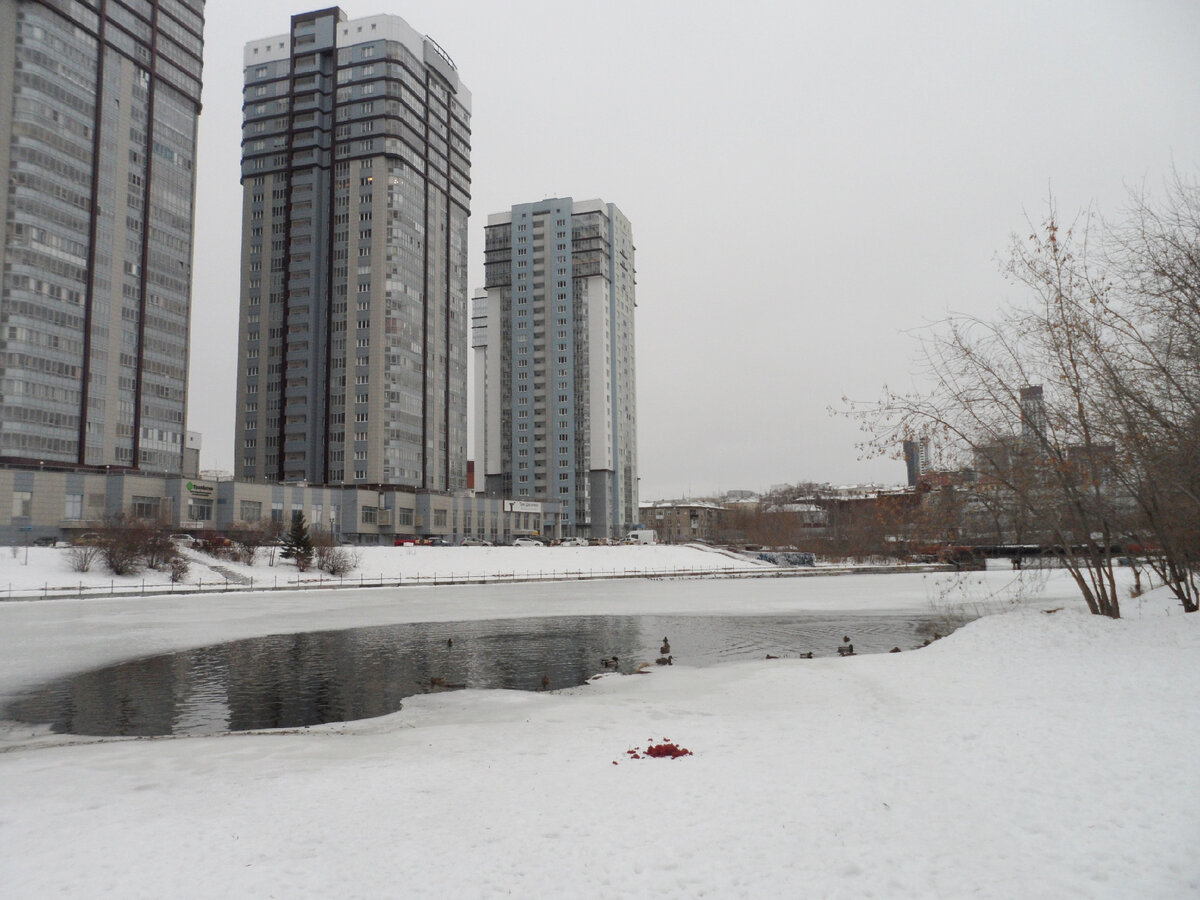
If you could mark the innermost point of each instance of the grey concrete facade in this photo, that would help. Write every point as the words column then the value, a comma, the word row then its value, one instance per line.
column 98, row 108
column 62, row 504
column 553, row 336
column 356, row 193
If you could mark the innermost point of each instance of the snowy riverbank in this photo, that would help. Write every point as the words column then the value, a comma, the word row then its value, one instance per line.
column 45, row 571
column 1029, row 754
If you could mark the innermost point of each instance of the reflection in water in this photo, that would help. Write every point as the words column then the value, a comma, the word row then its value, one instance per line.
column 292, row 680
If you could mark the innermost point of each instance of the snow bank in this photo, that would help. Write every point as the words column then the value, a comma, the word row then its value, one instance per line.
column 1029, row 754
column 37, row 569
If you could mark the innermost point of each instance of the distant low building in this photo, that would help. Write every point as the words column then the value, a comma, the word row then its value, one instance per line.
column 61, row 503
column 682, row 521
column 740, row 496
column 807, row 515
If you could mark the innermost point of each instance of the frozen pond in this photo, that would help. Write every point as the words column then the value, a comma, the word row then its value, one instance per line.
column 309, row 678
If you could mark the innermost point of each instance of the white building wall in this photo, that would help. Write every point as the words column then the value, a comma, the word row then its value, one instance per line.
column 599, row 310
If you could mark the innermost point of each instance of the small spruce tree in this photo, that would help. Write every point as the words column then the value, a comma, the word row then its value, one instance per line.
column 298, row 543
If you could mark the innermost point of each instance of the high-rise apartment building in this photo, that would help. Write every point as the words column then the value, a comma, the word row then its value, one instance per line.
column 553, row 335
column 98, row 108
column 356, row 192
column 916, row 460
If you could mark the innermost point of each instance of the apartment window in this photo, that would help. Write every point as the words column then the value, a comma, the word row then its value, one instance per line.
column 370, row 515
column 200, row 509
column 439, row 518
column 22, row 504
column 73, row 506
column 251, row 510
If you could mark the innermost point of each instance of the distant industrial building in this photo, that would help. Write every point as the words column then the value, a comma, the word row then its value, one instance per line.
column 1033, row 415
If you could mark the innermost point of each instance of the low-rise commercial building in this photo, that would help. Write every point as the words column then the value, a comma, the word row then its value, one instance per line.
column 52, row 504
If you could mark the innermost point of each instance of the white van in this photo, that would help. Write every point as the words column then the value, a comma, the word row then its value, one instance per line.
column 641, row 536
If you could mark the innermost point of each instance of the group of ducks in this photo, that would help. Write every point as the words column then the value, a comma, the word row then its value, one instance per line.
column 846, row 648
column 666, row 659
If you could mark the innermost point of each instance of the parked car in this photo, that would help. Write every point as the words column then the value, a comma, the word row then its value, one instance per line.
column 89, row 537
column 574, row 542
column 527, row 542
column 475, row 542
column 45, row 541
column 183, row 540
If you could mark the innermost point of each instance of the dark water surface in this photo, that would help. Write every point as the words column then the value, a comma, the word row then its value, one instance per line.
column 292, row 680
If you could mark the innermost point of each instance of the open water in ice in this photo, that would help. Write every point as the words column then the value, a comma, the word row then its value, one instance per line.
column 309, row 678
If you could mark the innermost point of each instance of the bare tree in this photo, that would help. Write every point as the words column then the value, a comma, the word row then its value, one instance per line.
column 1010, row 400
column 121, row 544
column 1078, row 410
column 157, row 549
column 1154, row 381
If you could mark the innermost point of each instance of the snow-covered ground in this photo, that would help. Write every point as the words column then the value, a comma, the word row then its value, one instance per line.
column 1027, row 755
column 35, row 570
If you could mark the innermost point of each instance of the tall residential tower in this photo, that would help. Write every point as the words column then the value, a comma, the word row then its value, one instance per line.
column 98, row 108
column 553, row 334
column 356, row 192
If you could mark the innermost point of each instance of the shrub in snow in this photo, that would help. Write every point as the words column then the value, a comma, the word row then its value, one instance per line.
column 179, row 568
column 81, row 557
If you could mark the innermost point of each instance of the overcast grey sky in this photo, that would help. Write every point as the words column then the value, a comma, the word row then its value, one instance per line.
column 807, row 183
